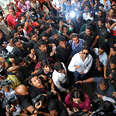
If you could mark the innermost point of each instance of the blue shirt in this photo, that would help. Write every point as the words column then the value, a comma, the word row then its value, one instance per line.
column 108, row 92
column 76, row 48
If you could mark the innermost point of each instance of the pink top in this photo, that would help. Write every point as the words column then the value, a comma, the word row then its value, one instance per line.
column 82, row 105
column 24, row 7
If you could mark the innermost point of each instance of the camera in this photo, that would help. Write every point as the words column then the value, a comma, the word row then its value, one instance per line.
column 5, row 83
column 11, row 99
column 37, row 99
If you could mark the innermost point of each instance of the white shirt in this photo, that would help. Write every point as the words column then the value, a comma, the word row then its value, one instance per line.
column 9, row 48
column 107, row 2
column 56, row 3
column 102, row 57
column 58, row 79
column 84, row 65
column 86, row 16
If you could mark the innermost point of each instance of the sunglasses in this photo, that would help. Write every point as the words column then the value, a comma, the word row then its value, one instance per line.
column 85, row 53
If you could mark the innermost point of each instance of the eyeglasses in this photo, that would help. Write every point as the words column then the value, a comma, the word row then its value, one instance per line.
column 86, row 53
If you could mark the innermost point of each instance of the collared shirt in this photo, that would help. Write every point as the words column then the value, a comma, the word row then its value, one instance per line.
column 102, row 57
column 76, row 47
column 84, row 65
column 59, row 79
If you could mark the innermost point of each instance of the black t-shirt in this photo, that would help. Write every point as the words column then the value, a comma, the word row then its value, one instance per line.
column 25, row 101
column 88, row 39
column 62, row 54
column 35, row 91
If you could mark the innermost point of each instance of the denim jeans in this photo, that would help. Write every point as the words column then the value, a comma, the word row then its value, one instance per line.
column 77, row 76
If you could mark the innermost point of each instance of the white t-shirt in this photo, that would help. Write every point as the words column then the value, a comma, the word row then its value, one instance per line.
column 102, row 58
column 57, row 3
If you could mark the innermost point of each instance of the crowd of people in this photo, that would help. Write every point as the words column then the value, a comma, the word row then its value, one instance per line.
column 57, row 57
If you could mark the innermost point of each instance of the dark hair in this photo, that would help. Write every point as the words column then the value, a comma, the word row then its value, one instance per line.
column 102, row 46
column 104, row 82
column 113, row 60
column 58, row 66
column 73, row 35
column 61, row 38
column 108, row 106
column 85, row 47
column 77, row 93
column 41, row 42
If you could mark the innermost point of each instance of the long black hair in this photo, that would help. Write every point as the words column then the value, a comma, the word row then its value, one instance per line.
column 77, row 93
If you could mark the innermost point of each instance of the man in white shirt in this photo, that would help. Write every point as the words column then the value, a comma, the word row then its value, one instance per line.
column 59, row 76
column 56, row 4
column 103, row 58
column 80, row 64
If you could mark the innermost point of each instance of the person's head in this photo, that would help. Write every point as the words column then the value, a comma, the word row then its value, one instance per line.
column 36, row 81
column 32, row 51
column 53, row 107
column 62, row 42
column 85, row 51
column 100, row 23
column 77, row 96
column 42, row 46
column 113, row 62
column 100, row 12
column 75, row 38
column 18, row 43
column 65, row 29
column 111, row 12
column 34, row 37
column 44, row 37
column 11, row 10
column 46, row 68
column 19, row 28
column 88, row 31
column 100, row 50
column 103, row 85
column 58, row 66
column 101, row 7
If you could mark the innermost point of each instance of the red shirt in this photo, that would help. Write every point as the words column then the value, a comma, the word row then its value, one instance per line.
column 11, row 21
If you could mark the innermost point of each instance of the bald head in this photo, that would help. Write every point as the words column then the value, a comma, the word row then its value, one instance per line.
column 21, row 90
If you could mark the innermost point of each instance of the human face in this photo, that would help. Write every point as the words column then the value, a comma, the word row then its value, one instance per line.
column 100, row 24
column 36, row 82
column 76, row 100
column 85, row 52
column 75, row 40
column 19, row 44
column 46, row 68
column 88, row 31
column 43, row 48
column 45, row 38
column 34, row 37
column 11, row 11
column 33, row 51
column 62, row 44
